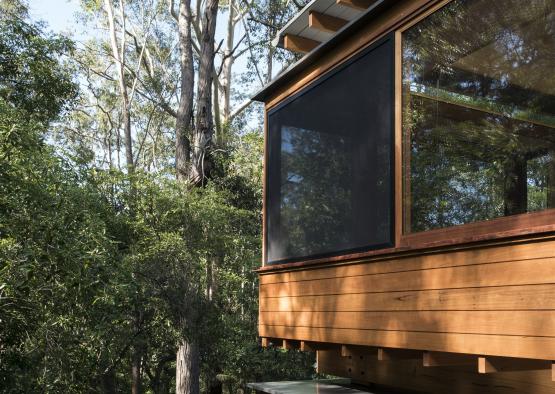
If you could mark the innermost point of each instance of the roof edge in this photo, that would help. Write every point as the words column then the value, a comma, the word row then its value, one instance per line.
column 278, row 39
column 317, row 53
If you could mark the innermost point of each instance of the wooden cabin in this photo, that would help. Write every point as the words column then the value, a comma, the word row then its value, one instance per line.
column 409, row 212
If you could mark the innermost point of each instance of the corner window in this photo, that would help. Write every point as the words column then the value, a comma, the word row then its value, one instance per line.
column 329, row 165
column 478, row 113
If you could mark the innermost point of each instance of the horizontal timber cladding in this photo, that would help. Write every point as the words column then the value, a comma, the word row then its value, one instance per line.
column 532, row 323
column 489, row 300
column 483, row 255
column 518, row 346
column 483, row 275
column 410, row 374
column 505, row 298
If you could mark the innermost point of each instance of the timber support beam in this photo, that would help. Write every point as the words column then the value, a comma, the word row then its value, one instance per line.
column 441, row 359
column 505, row 364
column 289, row 344
column 299, row 44
column 326, row 23
column 357, row 351
column 307, row 346
column 398, row 354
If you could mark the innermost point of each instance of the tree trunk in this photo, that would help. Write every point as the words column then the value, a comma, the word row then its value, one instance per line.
column 216, row 388
column 119, row 57
column 551, row 180
column 516, row 186
column 109, row 382
column 185, row 109
column 228, row 62
column 270, row 64
column 204, row 129
column 187, row 371
column 222, row 86
column 136, row 371
column 127, row 135
column 137, row 350
column 212, row 267
column 219, row 138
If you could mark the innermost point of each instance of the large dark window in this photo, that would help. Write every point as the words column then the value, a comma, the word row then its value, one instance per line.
column 329, row 169
column 479, row 112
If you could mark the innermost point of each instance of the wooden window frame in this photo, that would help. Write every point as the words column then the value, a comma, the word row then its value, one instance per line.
column 503, row 227
column 496, row 231
column 392, row 202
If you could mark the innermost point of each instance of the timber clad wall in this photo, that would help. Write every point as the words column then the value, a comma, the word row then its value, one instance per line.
column 485, row 293
column 496, row 301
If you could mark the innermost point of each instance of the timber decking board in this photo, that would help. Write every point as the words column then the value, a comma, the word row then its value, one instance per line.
column 540, row 271
column 529, row 323
column 542, row 348
column 497, row 254
column 528, row 297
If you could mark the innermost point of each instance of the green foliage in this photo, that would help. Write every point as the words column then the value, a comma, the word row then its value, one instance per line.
column 31, row 78
column 55, row 259
column 96, row 265
column 78, row 263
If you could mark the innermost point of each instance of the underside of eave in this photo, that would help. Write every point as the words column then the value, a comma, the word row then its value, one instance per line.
column 318, row 21
column 313, row 49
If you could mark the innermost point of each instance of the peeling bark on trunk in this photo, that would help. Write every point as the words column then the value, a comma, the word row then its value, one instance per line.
column 185, row 111
column 187, row 373
column 204, row 128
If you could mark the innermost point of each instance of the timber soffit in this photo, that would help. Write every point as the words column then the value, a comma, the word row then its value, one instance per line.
column 354, row 17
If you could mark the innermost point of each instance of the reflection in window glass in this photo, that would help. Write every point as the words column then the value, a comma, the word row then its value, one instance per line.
column 329, row 163
column 479, row 112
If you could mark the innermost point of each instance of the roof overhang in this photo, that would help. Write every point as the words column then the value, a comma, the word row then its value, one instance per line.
column 320, row 19
column 302, row 26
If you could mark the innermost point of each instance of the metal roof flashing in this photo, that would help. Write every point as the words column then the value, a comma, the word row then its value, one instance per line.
column 311, row 57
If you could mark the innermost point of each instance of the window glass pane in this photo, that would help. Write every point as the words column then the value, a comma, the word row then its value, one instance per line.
column 479, row 112
column 329, row 163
